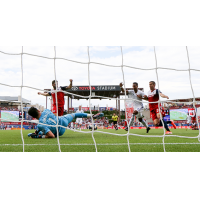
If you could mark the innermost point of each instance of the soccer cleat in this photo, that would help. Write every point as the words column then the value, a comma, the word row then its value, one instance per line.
column 116, row 128
column 126, row 129
column 168, row 132
column 98, row 115
column 172, row 122
column 148, row 129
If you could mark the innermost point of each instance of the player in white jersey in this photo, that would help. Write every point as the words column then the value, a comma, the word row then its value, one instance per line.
column 79, row 121
column 136, row 94
column 189, row 120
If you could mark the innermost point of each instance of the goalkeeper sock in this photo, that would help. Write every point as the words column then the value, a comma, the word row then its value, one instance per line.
column 165, row 125
column 144, row 123
column 168, row 122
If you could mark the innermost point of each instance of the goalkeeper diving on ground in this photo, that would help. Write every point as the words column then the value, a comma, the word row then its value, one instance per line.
column 48, row 118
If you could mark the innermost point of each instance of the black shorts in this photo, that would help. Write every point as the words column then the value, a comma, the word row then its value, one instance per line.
column 114, row 122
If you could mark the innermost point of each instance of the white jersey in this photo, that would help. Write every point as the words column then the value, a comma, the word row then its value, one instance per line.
column 132, row 95
column 79, row 120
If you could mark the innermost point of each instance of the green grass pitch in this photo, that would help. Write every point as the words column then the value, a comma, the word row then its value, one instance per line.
column 10, row 141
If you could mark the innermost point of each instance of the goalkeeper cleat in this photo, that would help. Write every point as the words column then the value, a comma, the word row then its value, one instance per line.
column 168, row 132
column 172, row 122
column 126, row 129
column 148, row 129
column 98, row 115
column 116, row 128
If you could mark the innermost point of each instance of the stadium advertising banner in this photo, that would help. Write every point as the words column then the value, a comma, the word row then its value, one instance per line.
column 9, row 116
column 129, row 109
column 96, row 88
column 178, row 114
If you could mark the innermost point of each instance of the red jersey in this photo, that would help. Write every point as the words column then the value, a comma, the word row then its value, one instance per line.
column 153, row 96
column 60, row 98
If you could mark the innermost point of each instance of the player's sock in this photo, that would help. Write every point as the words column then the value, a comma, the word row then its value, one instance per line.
column 131, row 120
column 144, row 123
column 168, row 122
column 165, row 125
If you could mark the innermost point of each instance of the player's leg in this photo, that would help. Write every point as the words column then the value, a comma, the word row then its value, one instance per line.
column 131, row 120
column 172, row 123
column 140, row 119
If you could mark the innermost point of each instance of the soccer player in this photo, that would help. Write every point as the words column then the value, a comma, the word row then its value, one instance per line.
column 153, row 96
column 137, row 105
column 189, row 120
column 115, row 119
column 79, row 121
column 60, row 97
column 48, row 118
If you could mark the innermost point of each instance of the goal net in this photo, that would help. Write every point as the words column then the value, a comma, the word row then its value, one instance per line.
column 53, row 61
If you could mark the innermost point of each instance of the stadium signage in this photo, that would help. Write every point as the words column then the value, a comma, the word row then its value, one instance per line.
column 96, row 88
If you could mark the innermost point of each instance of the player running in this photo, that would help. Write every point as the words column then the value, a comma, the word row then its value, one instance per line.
column 137, row 105
column 48, row 118
column 60, row 97
column 153, row 96
column 79, row 121
column 115, row 119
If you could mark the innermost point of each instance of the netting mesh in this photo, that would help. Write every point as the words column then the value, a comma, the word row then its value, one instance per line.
column 122, row 66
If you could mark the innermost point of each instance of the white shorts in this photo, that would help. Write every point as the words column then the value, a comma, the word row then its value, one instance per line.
column 79, row 120
column 139, row 115
column 189, row 122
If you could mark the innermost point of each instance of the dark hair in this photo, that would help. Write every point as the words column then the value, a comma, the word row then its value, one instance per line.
column 33, row 112
column 152, row 82
column 54, row 81
column 135, row 83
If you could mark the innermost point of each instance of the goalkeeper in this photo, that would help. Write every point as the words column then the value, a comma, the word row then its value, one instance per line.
column 48, row 118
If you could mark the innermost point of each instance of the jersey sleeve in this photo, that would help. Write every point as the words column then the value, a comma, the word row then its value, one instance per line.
column 142, row 93
column 43, row 128
column 158, row 91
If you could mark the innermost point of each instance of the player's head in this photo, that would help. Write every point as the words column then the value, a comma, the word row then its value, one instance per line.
column 135, row 85
column 152, row 85
column 79, row 107
column 54, row 82
column 34, row 112
column 114, row 114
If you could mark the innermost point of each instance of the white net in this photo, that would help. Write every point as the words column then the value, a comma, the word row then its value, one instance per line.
column 122, row 66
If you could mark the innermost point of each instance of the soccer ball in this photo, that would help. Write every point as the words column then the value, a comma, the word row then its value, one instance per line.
column 91, row 126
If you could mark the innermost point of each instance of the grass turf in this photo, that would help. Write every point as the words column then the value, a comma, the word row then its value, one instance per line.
column 10, row 141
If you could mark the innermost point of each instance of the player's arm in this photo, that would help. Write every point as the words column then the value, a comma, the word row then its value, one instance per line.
column 163, row 96
column 122, row 89
column 143, row 97
column 49, row 135
column 67, row 87
column 44, row 94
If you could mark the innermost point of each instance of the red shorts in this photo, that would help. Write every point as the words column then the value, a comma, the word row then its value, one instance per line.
column 60, row 110
column 153, row 113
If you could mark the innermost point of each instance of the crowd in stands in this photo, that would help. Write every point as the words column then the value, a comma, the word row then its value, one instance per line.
column 9, row 108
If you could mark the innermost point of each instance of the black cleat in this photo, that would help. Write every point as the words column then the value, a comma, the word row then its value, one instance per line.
column 116, row 128
column 148, row 129
column 126, row 129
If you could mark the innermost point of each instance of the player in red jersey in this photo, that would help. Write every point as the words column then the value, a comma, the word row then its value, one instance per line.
column 153, row 96
column 60, row 97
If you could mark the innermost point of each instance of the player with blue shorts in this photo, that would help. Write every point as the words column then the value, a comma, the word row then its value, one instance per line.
column 48, row 127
